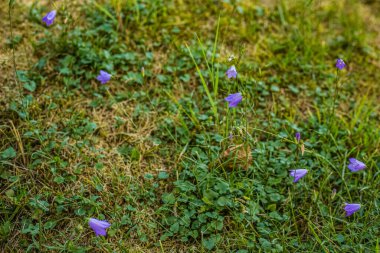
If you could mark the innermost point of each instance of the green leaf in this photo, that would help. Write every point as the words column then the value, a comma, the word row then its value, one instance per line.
column 10, row 193
column 31, row 229
column 99, row 187
column 65, row 71
column 99, row 166
column 131, row 208
column 275, row 215
column 222, row 187
column 91, row 127
column 166, row 236
column 272, row 207
column 148, row 176
column 135, row 154
column 162, row 78
column 209, row 196
column 185, row 78
column 168, row 198
column 8, row 153
column 211, row 242
column 80, row 212
column 163, row 175
column 5, row 229
column 50, row 224
column 275, row 88
column 274, row 181
column 265, row 243
column 30, row 86
column 59, row 180
column 223, row 201
column 11, row 3
column 185, row 186
column 340, row 238
column 275, row 197
column 294, row 89
column 174, row 228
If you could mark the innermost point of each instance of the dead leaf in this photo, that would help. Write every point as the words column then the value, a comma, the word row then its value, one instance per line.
column 237, row 156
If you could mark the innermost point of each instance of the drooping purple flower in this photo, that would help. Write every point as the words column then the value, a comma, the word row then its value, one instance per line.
column 231, row 72
column 351, row 208
column 49, row 18
column 340, row 64
column 103, row 77
column 234, row 99
column 298, row 174
column 298, row 136
column 356, row 165
column 99, row 226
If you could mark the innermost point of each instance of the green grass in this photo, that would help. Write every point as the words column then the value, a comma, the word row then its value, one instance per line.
column 150, row 150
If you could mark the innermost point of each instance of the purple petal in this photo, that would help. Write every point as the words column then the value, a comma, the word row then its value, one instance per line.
column 103, row 77
column 231, row 72
column 51, row 15
column 49, row 18
column 104, row 73
column 340, row 64
column 352, row 160
column 351, row 208
column 229, row 98
column 49, row 22
column 234, row 99
column 298, row 174
column 356, row 165
column 298, row 136
column 99, row 226
column 233, row 104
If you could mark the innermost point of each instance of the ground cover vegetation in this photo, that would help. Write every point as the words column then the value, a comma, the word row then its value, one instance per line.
column 189, row 126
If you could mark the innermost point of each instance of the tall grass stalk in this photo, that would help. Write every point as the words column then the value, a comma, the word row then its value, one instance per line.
column 213, row 73
column 10, row 6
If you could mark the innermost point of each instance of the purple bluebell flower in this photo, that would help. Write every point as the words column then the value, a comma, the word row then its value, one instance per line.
column 298, row 136
column 103, row 77
column 234, row 99
column 298, row 174
column 49, row 18
column 351, row 208
column 340, row 64
column 356, row 165
column 99, row 226
column 231, row 72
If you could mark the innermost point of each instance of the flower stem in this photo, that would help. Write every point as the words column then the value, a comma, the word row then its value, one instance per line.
column 336, row 91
